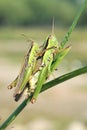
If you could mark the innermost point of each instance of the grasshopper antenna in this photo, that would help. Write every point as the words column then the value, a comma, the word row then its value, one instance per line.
column 25, row 37
column 28, row 40
column 53, row 25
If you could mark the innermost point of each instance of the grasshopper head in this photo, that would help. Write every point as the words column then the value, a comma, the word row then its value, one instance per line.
column 51, row 41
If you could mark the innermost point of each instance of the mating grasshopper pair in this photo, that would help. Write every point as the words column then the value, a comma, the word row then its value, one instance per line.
column 39, row 63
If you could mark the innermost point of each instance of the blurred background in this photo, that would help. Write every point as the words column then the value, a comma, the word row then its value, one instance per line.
column 63, row 107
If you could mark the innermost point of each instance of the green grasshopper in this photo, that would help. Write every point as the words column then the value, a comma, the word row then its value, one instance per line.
column 51, row 59
column 26, row 72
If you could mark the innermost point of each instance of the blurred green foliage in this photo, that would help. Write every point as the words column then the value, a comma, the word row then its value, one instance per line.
column 39, row 12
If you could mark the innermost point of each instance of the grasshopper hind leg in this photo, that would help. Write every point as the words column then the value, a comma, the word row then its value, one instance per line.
column 13, row 84
column 19, row 95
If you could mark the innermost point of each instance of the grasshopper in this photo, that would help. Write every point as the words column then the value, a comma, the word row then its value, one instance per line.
column 51, row 59
column 26, row 72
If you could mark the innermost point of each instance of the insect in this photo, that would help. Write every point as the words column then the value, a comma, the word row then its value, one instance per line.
column 51, row 59
column 26, row 72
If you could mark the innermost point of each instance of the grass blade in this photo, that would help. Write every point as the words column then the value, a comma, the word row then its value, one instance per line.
column 46, row 86
column 67, row 35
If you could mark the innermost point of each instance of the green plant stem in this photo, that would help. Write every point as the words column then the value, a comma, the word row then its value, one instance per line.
column 45, row 87
column 75, row 21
